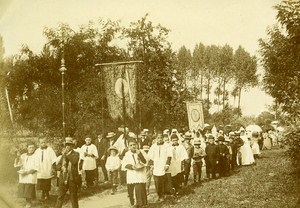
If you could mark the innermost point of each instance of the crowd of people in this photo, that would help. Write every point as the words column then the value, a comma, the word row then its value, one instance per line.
column 124, row 158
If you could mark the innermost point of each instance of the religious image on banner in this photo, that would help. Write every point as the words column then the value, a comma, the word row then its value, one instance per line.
column 195, row 116
column 120, row 80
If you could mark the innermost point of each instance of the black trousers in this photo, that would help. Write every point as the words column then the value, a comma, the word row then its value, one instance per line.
column 101, row 164
column 160, row 185
column 140, row 193
column 62, row 190
column 177, row 181
column 223, row 166
column 211, row 167
column 90, row 177
column 197, row 169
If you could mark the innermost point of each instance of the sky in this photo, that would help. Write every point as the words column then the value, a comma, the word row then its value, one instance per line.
column 220, row 22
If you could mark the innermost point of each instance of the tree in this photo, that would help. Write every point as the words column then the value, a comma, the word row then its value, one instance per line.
column 199, row 66
column 281, row 61
column 245, row 67
column 157, row 101
column 35, row 81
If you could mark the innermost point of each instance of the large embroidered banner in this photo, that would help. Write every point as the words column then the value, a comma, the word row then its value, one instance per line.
column 120, row 83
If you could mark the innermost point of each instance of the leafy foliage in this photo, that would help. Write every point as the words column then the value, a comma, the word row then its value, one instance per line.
column 281, row 61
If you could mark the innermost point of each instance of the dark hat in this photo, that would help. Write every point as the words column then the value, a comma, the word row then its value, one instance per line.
column 221, row 139
column 174, row 136
column 211, row 137
column 131, row 140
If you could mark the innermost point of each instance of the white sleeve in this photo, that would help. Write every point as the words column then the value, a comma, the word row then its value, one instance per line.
column 52, row 156
column 95, row 151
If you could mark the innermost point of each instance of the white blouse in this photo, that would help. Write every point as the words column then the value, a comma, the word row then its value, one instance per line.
column 113, row 163
column 27, row 162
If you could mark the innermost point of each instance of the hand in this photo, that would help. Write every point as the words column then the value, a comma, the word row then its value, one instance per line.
column 18, row 153
column 103, row 157
column 85, row 154
column 217, row 162
column 167, row 167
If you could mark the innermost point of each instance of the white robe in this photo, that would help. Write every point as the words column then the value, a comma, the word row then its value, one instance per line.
column 47, row 158
column 179, row 155
column 246, row 151
column 134, row 176
column 159, row 155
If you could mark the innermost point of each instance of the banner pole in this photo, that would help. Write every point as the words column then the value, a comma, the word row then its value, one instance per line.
column 123, row 104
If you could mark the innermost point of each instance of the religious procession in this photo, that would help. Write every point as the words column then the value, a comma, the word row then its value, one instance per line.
column 117, row 104
column 169, row 159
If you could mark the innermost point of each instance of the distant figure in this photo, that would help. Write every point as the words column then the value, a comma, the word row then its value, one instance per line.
column 246, row 151
column 47, row 159
column 212, row 157
column 102, row 146
column 134, row 162
column 29, row 165
column 160, row 157
column 179, row 157
column 112, row 165
column 255, row 146
column 69, row 179
column 90, row 154
column 197, row 163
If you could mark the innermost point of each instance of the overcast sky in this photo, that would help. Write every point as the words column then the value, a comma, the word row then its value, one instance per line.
column 235, row 22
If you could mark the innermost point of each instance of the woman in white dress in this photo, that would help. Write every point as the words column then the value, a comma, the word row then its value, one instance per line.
column 246, row 151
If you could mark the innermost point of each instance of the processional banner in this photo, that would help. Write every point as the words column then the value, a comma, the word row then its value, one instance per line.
column 195, row 115
column 120, row 82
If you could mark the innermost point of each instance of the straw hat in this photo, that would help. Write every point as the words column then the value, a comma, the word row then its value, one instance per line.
column 110, row 134
column 112, row 148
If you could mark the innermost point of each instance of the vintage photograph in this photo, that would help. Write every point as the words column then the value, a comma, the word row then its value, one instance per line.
column 145, row 104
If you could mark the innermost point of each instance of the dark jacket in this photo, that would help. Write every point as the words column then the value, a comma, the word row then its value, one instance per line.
column 223, row 150
column 212, row 152
column 102, row 147
column 71, row 163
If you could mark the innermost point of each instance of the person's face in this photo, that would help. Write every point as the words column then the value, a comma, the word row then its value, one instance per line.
column 30, row 149
column 166, row 139
column 187, row 141
column 132, row 146
column 113, row 152
column 211, row 141
column 88, row 140
column 159, row 138
column 100, row 136
column 43, row 143
column 68, row 147
column 197, row 146
column 175, row 141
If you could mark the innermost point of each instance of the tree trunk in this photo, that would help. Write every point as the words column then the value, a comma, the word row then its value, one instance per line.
column 239, row 102
column 201, row 83
column 208, row 89
column 224, row 93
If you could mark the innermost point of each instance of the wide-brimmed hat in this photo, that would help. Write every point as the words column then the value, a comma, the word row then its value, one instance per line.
column 197, row 142
column 187, row 136
column 69, row 140
column 112, row 148
column 146, row 147
column 227, row 140
column 110, row 134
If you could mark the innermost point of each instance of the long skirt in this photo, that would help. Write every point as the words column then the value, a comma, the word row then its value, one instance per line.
column 26, row 190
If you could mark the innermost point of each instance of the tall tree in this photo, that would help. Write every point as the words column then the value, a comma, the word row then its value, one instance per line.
column 281, row 60
column 245, row 68
column 199, row 66
column 149, row 43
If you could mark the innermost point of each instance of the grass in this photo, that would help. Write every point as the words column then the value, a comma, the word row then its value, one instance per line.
column 272, row 182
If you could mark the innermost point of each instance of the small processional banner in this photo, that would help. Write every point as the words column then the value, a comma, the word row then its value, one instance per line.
column 195, row 115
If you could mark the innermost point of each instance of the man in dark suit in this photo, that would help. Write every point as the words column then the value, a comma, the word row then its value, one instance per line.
column 69, row 166
column 212, row 157
column 102, row 145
